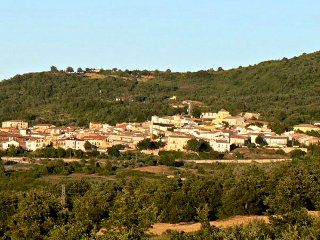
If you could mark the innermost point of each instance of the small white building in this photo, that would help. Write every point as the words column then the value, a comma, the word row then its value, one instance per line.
column 276, row 141
column 74, row 143
column 220, row 145
column 15, row 124
column 6, row 145
column 33, row 144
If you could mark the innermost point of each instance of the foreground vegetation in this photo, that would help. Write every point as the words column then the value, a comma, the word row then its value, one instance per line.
column 274, row 88
column 126, row 203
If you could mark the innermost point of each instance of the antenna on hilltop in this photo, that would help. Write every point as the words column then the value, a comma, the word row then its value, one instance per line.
column 63, row 195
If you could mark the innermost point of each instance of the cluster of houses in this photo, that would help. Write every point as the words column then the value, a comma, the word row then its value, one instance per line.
column 220, row 129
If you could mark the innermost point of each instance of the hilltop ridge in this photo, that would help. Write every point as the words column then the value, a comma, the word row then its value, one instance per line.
column 286, row 90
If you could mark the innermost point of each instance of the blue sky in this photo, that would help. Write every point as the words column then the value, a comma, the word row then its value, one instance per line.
column 182, row 35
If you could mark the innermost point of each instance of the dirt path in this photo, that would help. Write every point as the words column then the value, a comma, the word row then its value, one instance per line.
column 161, row 170
column 160, row 228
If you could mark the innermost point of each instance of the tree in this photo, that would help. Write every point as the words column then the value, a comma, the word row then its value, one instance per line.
column 147, row 144
column 54, row 69
column 38, row 212
column 260, row 140
column 113, row 151
column 166, row 159
column 192, row 145
column 79, row 70
column 69, row 70
column 13, row 151
column 196, row 112
column 61, row 152
column 131, row 214
column 2, row 169
column 87, row 146
column 297, row 154
column 204, row 146
column 198, row 146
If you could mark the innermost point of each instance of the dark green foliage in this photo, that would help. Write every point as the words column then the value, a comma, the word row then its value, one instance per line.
column 54, row 69
column 198, row 146
column 36, row 215
column 114, row 151
column 297, row 154
column 127, row 203
column 273, row 88
column 87, row 145
column 166, row 159
column 260, row 140
column 69, row 70
column 148, row 144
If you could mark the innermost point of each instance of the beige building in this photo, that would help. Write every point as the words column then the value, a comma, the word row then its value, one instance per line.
column 239, row 140
column 250, row 115
column 276, row 141
column 33, row 144
column 223, row 114
column 305, row 128
column 43, row 127
column 220, row 145
column 232, row 121
column 127, row 139
column 15, row 124
column 74, row 143
column 98, row 141
column 208, row 116
column 6, row 145
column 177, row 142
column 95, row 125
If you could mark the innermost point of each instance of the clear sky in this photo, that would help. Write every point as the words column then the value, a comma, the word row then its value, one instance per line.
column 183, row 35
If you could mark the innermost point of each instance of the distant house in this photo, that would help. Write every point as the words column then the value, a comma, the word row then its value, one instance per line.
column 239, row 140
column 19, row 124
column 276, row 141
column 97, row 140
column 250, row 115
column 233, row 121
column 305, row 128
column 7, row 144
column 95, row 125
column 220, row 145
column 223, row 114
column 178, row 142
column 208, row 116
column 33, row 144
column 305, row 139
column 127, row 139
column 74, row 143
column 42, row 127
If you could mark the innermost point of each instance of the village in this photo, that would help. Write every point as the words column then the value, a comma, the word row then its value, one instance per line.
column 221, row 130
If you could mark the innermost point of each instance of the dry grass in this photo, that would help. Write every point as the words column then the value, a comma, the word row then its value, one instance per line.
column 160, row 228
column 57, row 178
column 159, row 170
column 94, row 75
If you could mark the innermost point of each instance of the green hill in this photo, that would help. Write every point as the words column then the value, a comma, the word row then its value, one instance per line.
column 286, row 90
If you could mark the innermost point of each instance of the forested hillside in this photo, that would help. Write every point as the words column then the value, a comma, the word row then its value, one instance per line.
column 286, row 90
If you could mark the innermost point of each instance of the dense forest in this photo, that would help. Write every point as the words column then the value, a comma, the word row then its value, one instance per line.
column 285, row 90
column 109, row 195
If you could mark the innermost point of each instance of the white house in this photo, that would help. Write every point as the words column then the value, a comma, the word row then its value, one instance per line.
column 220, row 145
column 33, row 144
column 6, row 145
column 276, row 141
column 74, row 143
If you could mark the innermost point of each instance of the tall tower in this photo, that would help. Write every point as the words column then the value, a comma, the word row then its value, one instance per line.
column 190, row 109
column 151, row 130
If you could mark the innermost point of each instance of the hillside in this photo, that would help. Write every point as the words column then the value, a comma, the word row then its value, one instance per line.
column 286, row 90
